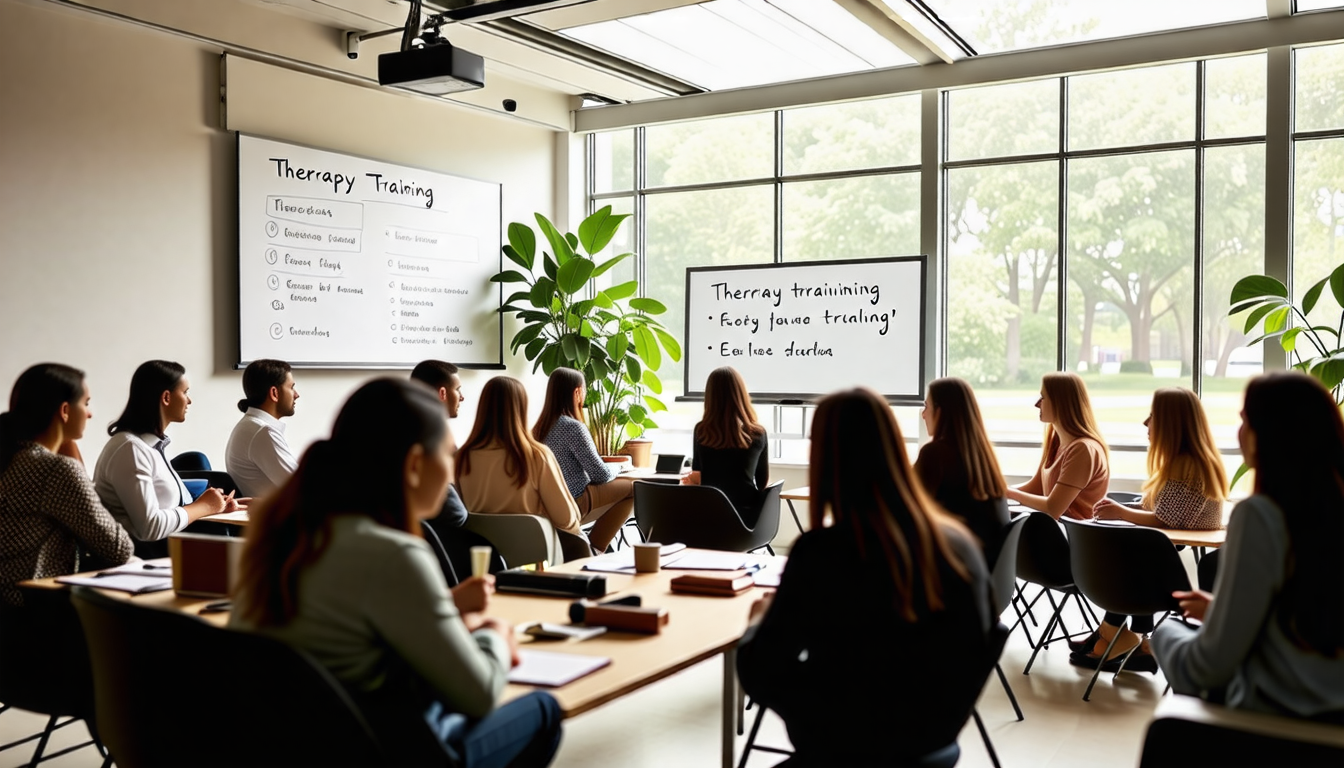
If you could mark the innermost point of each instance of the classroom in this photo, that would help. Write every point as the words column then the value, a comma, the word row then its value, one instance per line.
column 1086, row 182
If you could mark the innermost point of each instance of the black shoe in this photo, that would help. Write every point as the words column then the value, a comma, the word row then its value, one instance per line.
column 1138, row 662
column 1084, row 660
column 1085, row 645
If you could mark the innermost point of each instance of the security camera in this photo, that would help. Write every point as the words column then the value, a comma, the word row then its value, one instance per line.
column 352, row 45
column 510, row 105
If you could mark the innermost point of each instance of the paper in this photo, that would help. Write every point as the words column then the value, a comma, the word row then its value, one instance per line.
column 624, row 561
column 709, row 560
column 546, row 631
column 551, row 670
column 1113, row 522
column 239, row 516
column 160, row 566
column 135, row 583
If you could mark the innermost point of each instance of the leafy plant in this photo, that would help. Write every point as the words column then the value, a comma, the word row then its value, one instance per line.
column 1316, row 349
column 569, row 322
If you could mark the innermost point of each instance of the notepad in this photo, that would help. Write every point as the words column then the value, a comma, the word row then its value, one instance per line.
column 709, row 560
column 624, row 561
column 134, row 583
column 552, row 670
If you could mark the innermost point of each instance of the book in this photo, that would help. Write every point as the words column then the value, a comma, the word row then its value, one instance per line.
column 722, row 584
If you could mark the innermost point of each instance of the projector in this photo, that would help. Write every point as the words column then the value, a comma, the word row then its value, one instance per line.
column 433, row 69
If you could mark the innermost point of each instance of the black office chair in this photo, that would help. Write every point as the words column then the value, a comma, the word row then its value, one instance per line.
column 44, row 668
column 1206, row 570
column 1129, row 570
column 190, row 461
column 289, row 710
column 701, row 516
column 1186, row 731
column 221, row 480
column 1003, row 583
column 1043, row 560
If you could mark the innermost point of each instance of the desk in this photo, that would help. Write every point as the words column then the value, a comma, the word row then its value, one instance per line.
column 699, row 628
column 646, row 473
column 797, row 494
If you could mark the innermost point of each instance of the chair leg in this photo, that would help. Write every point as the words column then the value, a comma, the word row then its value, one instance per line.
column 1104, row 656
column 42, row 742
column 989, row 745
column 1045, row 635
column 770, row 549
column 751, row 740
column 1008, row 689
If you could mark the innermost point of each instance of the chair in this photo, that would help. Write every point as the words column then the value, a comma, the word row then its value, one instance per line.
column 440, row 554
column 1206, row 570
column 44, row 668
column 293, row 711
column 520, row 539
column 1043, row 560
column 1003, row 582
column 217, row 479
column 1187, row 731
column 701, row 516
column 1128, row 570
column 190, row 461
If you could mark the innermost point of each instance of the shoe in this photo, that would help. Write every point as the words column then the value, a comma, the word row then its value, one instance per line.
column 1085, row 645
column 1138, row 662
column 1084, row 660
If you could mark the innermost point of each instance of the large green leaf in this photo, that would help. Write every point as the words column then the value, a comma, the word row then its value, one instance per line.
column 559, row 246
column 526, row 335
column 586, row 329
column 1337, row 284
column 652, row 381
column 1277, row 320
column 573, row 242
column 1252, row 286
column 1242, row 470
column 582, row 351
column 654, row 403
column 609, row 263
column 549, row 266
column 601, row 368
column 1253, row 319
column 601, row 299
column 509, row 276
column 617, row 345
column 549, row 359
column 533, row 316
column 638, row 412
column 542, row 293
column 534, row 348
column 633, row 368
column 517, row 295
column 670, row 344
column 1330, row 372
column 647, row 349
column 516, row 257
column 574, row 275
column 622, row 290
column 645, row 304
column 1289, row 339
column 598, row 229
column 524, row 243
column 1312, row 295
column 569, row 346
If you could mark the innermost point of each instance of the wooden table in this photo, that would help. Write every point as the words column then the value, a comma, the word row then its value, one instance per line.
column 699, row 628
column 797, row 494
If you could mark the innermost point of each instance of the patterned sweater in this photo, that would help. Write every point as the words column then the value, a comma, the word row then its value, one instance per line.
column 1182, row 505
column 51, row 522
column 577, row 456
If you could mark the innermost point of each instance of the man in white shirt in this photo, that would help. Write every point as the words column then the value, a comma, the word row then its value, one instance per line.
column 443, row 379
column 258, row 457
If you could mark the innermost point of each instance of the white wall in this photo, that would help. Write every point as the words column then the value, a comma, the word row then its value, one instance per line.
column 117, row 202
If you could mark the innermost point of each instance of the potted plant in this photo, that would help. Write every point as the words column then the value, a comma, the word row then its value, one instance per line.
column 609, row 334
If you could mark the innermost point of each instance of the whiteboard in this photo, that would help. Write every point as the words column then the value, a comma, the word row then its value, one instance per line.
column 346, row 262
column 800, row 330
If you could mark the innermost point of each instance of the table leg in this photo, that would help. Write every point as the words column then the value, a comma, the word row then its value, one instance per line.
column 730, row 704
column 794, row 512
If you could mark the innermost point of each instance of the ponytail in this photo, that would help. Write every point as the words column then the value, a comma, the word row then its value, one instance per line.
column 243, row 405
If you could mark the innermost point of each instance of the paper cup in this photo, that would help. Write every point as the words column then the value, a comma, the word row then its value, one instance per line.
column 646, row 557
column 480, row 560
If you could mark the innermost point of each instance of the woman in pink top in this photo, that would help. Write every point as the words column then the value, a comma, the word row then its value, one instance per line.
column 1075, row 466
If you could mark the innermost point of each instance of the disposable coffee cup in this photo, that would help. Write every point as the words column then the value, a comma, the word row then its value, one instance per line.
column 646, row 557
column 480, row 560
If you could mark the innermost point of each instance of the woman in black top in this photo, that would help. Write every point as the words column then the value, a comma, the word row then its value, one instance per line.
column 958, row 465
column 730, row 443
column 890, row 600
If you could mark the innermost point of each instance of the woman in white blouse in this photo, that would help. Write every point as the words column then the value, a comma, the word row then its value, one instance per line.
column 133, row 477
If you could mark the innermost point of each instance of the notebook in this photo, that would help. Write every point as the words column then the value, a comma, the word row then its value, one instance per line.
column 552, row 670
column 134, row 583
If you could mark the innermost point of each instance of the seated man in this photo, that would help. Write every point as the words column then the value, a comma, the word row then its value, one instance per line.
column 258, row 457
column 443, row 379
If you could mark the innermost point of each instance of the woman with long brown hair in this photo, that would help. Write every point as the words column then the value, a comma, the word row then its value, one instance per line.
column 958, row 465
column 503, row 469
column 885, row 592
column 730, row 445
column 1185, row 489
column 1075, row 464
column 334, row 564
column 1273, row 633
column 600, row 494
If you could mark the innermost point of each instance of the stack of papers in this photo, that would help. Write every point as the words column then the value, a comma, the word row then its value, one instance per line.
column 624, row 561
column 134, row 583
column 552, row 670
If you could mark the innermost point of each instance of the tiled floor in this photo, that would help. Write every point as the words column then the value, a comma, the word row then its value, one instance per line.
column 676, row 722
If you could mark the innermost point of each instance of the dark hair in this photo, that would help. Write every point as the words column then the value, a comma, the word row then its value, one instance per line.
column 34, row 401
column 359, row 470
column 729, row 421
column 960, row 425
column 559, row 401
column 1299, row 463
column 860, row 475
column 501, row 422
column 258, row 378
column 435, row 373
column 150, row 381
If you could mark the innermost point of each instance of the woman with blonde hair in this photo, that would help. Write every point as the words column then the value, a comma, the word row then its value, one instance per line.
column 503, row 469
column 729, row 450
column 1075, row 464
column 884, row 593
column 958, row 465
column 600, row 494
column 1185, row 489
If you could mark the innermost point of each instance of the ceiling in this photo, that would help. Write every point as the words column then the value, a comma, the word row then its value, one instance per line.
column 634, row 50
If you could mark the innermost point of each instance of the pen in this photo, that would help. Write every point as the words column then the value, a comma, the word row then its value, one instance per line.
column 753, row 568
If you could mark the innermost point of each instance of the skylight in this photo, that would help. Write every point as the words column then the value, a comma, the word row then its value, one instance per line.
column 994, row 26
column 737, row 43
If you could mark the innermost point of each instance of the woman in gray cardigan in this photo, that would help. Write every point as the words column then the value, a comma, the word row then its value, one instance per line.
column 1273, row 632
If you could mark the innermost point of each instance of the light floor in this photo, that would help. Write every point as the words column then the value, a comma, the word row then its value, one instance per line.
column 676, row 722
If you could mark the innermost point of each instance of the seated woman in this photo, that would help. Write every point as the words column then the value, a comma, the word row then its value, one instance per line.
column 51, row 521
column 884, row 593
column 1075, row 465
column 502, row 469
column 1273, row 632
column 133, row 477
column 338, row 569
column 958, row 465
column 601, row 495
column 730, row 445
column 1185, row 489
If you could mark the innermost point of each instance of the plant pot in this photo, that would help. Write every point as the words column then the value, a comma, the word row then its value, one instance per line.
column 616, row 459
column 640, row 452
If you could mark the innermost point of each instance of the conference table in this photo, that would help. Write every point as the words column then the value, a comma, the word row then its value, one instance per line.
column 699, row 628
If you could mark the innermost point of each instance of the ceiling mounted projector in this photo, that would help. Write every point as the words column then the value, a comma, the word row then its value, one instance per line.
column 432, row 69
column 490, row 10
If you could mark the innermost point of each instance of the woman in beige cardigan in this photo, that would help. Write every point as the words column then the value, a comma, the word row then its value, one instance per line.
column 503, row 469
